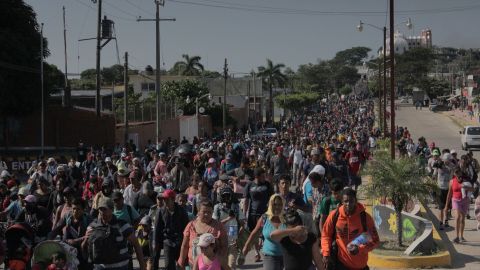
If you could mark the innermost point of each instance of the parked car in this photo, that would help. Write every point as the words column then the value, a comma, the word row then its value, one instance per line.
column 470, row 137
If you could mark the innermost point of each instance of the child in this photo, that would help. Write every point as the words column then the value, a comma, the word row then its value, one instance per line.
column 144, row 234
column 59, row 261
column 208, row 260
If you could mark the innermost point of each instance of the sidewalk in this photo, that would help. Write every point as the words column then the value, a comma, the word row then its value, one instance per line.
column 461, row 118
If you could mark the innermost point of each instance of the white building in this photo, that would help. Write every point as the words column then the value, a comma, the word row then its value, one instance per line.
column 403, row 43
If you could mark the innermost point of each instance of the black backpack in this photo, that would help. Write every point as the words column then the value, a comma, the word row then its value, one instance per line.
column 103, row 247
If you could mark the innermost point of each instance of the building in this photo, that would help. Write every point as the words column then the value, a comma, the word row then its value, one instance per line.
column 86, row 98
column 403, row 43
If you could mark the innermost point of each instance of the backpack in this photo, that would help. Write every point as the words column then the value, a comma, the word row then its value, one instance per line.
column 333, row 259
column 103, row 247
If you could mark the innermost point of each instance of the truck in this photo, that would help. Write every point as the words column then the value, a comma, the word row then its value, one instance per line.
column 418, row 95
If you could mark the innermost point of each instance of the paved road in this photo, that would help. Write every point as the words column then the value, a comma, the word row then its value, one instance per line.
column 444, row 132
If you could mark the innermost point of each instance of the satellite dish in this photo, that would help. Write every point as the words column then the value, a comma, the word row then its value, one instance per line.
column 201, row 110
column 179, row 112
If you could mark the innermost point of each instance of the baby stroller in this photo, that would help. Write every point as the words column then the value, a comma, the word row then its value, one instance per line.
column 19, row 239
column 44, row 251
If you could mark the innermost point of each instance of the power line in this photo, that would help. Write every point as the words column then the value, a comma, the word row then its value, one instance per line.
column 289, row 11
column 139, row 8
column 107, row 13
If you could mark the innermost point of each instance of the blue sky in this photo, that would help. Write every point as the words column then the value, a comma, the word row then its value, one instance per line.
column 246, row 32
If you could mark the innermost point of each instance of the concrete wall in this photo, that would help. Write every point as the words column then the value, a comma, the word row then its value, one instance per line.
column 168, row 128
column 63, row 128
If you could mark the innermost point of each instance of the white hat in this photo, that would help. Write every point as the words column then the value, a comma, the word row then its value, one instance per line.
column 22, row 191
column 5, row 174
column 206, row 240
column 453, row 151
column 318, row 169
column 108, row 159
column 446, row 157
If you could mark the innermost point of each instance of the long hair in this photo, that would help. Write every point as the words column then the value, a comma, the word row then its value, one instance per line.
column 269, row 212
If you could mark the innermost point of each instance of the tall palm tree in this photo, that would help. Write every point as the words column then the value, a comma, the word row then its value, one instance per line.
column 273, row 75
column 190, row 66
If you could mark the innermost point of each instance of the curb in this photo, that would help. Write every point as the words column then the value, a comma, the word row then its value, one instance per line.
column 457, row 121
column 441, row 259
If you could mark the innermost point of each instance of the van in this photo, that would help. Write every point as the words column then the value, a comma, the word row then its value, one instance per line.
column 470, row 137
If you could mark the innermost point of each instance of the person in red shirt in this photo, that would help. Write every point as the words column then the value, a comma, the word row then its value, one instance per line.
column 354, row 159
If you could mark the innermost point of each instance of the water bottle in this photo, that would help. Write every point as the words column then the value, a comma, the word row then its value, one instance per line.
column 232, row 231
column 362, row 239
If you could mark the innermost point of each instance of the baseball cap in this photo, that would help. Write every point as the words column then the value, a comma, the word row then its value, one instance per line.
column 22, row 191
column 122, row 170
column 206, row 240
column 318, row 169
column 105, row 202
column 446, row 157
column 162, row 154
column 436, row 152
column 31, row 199
column 61, row 168
column 211, row 160
column 169, row 194
column 108, row 159
column 51, row 159
column 146, row 220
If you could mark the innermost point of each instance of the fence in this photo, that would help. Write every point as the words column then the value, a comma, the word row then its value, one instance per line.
column 146, row 111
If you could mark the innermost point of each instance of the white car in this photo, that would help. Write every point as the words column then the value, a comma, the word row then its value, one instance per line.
column 470, row 137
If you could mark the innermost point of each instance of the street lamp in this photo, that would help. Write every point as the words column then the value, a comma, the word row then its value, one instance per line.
column 196, row 101
column 409, row 25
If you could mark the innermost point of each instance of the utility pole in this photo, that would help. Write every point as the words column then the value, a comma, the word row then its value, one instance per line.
column 254, row 102
column 42, row 121
column 157, row 20
column 248, row 105
column 66, row 92
column 380, row 106
column 384, row 81
column 392, row 81
column 99, row 39
column 125, row 97
column 225, row 76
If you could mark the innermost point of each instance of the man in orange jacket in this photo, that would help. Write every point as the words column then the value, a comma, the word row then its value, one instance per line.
column 354, row 232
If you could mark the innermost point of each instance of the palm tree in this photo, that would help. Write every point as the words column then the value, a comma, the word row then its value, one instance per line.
column 273, row 75
column 190, row 66
column 398, row 180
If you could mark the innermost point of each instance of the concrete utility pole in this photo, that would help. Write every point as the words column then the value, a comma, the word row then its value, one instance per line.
column 157, row 20
column 384, row 81
column 392, row 81
column 225, row 77
column 99, row 48
column 42, row 113
column 125, row 97
column 66, row 92
column 254, row 102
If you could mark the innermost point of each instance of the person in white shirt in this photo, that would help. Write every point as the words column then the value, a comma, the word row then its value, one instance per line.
column 297, row 155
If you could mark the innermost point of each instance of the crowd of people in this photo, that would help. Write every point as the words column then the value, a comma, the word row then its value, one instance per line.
column 456, row 177
column 290, row 199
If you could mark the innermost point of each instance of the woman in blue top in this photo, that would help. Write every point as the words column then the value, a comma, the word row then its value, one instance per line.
column 272, row 220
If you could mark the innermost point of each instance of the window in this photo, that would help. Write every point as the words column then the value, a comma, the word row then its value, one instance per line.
column 473, row 131
column 144, row 86
column 151, row 86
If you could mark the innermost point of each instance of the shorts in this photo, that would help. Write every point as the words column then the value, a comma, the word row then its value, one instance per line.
column 461, row 205
column 442, row 198
column 252, row 221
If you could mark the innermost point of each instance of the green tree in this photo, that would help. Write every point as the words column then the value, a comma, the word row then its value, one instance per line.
column 88, row 74
column 112, row 74
column 273, row 76
column 413, row 66
column 345, row 90
column 398, row 180
column 20, row 60
column 345, row 75
column 433, row 87
column 316, row 77
column 351, row 57
column 189, row 66
column 297, row 101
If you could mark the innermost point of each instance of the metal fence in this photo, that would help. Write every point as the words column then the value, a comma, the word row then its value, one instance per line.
column 146, row 111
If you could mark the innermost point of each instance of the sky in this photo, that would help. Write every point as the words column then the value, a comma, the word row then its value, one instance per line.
column 246, row 32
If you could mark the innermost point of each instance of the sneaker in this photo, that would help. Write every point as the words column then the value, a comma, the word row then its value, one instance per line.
column 463, row 239
column 456, row 240
column 441, row 226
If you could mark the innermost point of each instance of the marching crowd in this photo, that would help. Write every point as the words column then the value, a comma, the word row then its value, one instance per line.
column 290, row 199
